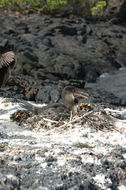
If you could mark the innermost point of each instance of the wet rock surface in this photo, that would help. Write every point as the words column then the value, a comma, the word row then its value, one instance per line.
column 114, row 83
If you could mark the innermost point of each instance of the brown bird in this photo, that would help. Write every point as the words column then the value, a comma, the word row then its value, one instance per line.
column 7, row 62
column 68, row 95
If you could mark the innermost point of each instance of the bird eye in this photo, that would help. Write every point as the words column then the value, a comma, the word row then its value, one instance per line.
column 76, row 101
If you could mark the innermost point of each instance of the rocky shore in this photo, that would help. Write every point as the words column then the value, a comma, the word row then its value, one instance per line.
column 51, row 53
column 73, row 157
column 63, row 48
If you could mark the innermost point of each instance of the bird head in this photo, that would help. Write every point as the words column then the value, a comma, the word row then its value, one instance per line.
column 70, row 93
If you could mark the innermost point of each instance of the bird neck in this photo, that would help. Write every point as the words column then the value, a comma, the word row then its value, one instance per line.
column 68, row 100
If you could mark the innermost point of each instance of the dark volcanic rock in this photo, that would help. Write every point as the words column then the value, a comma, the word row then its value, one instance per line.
column 63, row 48
column 48, row 91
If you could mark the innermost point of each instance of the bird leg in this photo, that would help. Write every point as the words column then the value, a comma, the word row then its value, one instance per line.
column 71, row 115
column 73, row 111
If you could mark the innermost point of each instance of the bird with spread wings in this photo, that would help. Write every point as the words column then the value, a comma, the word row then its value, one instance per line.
column 7, row 63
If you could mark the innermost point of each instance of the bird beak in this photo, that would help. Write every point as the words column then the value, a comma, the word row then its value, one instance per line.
column 80, row 93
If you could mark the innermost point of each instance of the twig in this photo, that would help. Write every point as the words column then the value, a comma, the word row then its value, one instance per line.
column 52, row 121
column 70, row 122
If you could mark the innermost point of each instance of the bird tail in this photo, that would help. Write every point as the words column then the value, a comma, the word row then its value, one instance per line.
column 32, row 108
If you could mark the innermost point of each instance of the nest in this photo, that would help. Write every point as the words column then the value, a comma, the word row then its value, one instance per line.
column 86, row 117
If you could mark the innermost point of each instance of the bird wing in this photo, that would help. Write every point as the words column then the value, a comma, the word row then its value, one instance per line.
column 38, row 110
column 6, row 58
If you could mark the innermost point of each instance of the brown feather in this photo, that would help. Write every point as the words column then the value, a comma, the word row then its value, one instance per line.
column 7, row 62
column 6, row 58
